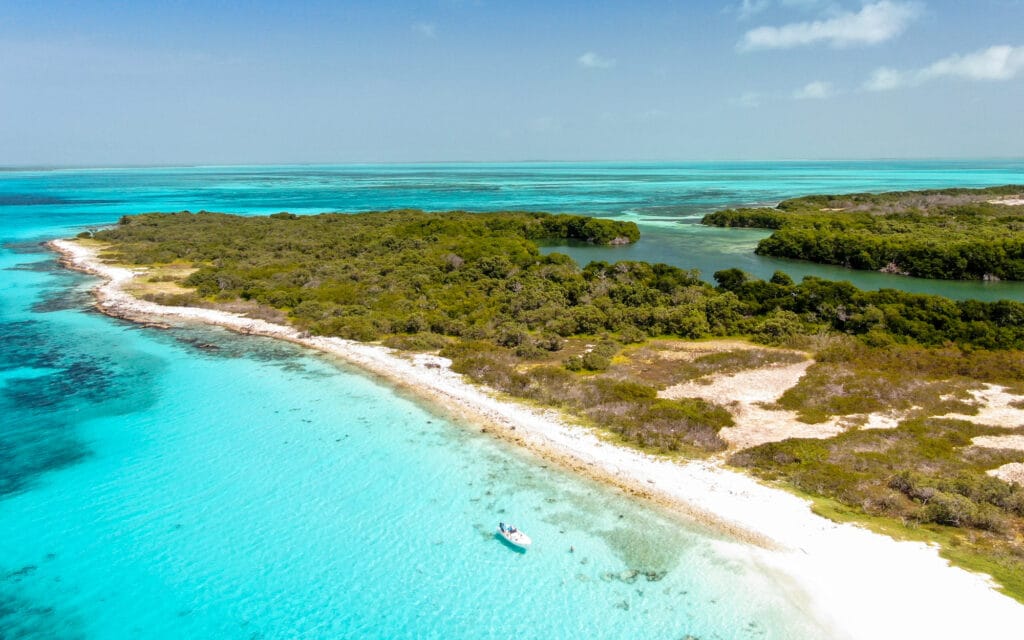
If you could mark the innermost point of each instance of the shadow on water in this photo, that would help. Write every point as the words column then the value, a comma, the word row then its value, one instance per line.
column 508, row 545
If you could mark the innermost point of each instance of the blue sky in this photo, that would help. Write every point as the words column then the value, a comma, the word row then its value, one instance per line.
column 122, row 83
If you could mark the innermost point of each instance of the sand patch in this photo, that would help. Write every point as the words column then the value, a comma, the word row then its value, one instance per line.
column 995, row 408
column 1011, row 202
column 745, row 395
column 999, row 442
column 690, row 351
column 883, row 421
column 1012, row 472
column 748, row 395
column 766, row 384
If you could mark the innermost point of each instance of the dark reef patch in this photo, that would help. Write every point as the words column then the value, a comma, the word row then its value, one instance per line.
column 223, row 344
column 25, row 247
column 66, row 381
column 22, row 618
column 38, row 199
column 39, row 266
column 63, row 299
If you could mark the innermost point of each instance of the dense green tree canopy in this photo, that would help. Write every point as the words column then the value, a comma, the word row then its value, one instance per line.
column 481, row 276
column 953, row 234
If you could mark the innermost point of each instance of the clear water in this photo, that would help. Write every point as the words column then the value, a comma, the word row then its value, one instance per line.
column 153, row 488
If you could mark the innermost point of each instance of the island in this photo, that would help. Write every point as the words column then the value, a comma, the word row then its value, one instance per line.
column 951, row 234
column 902, row 413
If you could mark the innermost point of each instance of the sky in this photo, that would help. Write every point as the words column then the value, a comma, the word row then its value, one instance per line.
column 222, row 82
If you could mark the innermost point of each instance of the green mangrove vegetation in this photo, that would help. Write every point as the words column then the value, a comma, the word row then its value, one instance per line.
column 602, row 341
column 481, row 277
column 953, row 234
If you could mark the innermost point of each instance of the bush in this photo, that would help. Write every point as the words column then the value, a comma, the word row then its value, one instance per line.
column 550, row 342
column 416, row 342
column 950, row 509
column 632, row 335
column 777, row 327
column 589, row 361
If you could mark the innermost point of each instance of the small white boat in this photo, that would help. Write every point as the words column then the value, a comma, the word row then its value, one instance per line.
column 513, row 536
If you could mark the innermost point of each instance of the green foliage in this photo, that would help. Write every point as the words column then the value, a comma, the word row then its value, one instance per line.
column 597, row 358
column 628, row 409
column 481, row 276
column 921, row 471
column 851, row 377
column 777, row 327
column 476, row 287
column 953, row 234
column 416, row 342
column 761, row 218
column 730, row 279
column 367, row 276
column 669, row 425
column 880, row 317
column 631, row 335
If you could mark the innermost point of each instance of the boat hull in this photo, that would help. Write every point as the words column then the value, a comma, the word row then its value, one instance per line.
column 517, row 539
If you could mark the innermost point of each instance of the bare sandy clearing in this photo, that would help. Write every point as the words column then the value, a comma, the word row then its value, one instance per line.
column 999, row 442
column 882, row 421
column 995, row 408
column 765, row 384
column 690, row 351
column 1012, row 472
column 744, row 395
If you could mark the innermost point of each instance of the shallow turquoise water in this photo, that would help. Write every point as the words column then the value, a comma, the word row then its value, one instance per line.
column 152, row 486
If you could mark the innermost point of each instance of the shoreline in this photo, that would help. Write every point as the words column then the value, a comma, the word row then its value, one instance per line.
column 865, row 584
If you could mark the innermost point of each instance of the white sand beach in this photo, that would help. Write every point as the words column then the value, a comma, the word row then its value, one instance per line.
column 863, row 584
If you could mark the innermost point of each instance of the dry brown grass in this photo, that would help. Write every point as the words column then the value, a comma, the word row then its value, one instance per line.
column 665, row 363
column 161, row 280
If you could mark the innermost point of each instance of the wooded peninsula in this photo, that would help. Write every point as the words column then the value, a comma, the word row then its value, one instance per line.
column 951, row 234
column 607, row 343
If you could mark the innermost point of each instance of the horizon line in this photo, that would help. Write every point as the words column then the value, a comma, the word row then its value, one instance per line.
column 203, row 165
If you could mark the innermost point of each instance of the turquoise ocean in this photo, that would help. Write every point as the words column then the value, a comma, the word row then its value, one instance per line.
column 193, row 483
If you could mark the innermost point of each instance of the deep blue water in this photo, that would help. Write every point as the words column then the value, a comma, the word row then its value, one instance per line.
column 153, row 488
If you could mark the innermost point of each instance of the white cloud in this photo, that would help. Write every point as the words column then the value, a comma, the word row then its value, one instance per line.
column 814, row 91
column 747, row 9
column 591, row 60
column 749, row 100
column 884, row 79
column 873, row 24
column 1001, row 62
column 425, row 29
column 750, row 8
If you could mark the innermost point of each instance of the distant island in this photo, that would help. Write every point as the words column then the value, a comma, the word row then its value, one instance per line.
column 903, row 412
column 951, row 234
